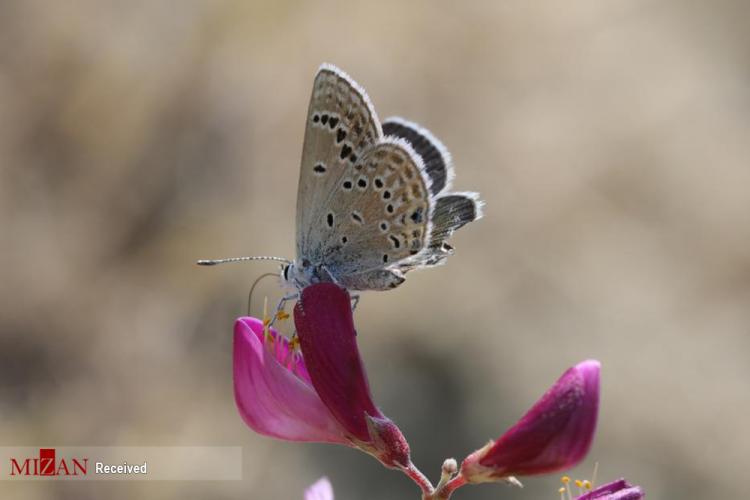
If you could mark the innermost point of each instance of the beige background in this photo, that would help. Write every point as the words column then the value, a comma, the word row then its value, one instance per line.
column 609, row 139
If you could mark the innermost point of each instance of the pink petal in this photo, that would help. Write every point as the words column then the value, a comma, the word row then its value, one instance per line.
column 320, row 490
column 616, row 490
column 555, row 434
column 272, row 391
column 325, row 326
column 557, row 431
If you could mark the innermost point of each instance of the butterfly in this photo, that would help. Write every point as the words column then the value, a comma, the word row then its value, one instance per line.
column 373, row 200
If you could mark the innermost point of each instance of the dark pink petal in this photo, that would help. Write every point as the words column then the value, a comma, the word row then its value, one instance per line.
column 325, row 326
column 320, row 490
column 272, row 391
column 323, row 317
column 616, row 490
column 555, row 434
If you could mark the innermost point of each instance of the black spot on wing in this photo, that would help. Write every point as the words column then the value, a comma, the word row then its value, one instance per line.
column 416, row 216
column 345, row 151
column 435, row 164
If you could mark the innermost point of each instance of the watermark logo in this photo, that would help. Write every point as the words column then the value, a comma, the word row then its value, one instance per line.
column 121, row 463
column 47, row 464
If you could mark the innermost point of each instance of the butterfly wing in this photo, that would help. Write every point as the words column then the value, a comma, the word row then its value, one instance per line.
column 369, row 208
column 378, row 217
column 435, row 156
column 341, row 124
column 450, row 211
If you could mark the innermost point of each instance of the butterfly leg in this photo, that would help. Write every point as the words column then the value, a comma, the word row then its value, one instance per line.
column 355, row 301
column 280, row 313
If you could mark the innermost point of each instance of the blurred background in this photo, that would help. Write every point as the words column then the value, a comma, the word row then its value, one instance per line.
column 610, row 140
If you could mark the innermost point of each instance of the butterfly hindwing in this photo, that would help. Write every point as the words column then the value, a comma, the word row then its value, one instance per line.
column 450, row 210
column 435, row 156
column 380, row 214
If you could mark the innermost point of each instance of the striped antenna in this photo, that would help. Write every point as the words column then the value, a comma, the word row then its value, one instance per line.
column 213, row 262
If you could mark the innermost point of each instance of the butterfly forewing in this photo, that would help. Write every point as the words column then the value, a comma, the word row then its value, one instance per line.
column 341, row 124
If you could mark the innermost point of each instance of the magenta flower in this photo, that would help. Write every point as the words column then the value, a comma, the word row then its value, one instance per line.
column 616, row 490
column 555, row 434
column 273, row 391
column 320, row 490
column 321, row 395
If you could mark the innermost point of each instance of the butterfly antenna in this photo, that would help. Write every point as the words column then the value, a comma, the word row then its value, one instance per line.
column 252, row 288
column 213, row 262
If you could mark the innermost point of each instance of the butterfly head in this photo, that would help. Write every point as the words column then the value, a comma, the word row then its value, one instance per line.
column 302, row 272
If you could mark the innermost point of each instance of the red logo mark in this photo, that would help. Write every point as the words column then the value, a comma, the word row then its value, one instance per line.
column 48, row 465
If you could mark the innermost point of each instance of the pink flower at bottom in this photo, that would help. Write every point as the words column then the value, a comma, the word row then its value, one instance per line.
column 616, row 490
column 320, row 490
column 321, row 395
column 555, row 434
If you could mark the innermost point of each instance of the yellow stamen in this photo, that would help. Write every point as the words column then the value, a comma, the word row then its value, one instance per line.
column 583, row 485
column 566, row 482
column 579, row 485
column 282, row 315
column 294, row 342
column 266, row 320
